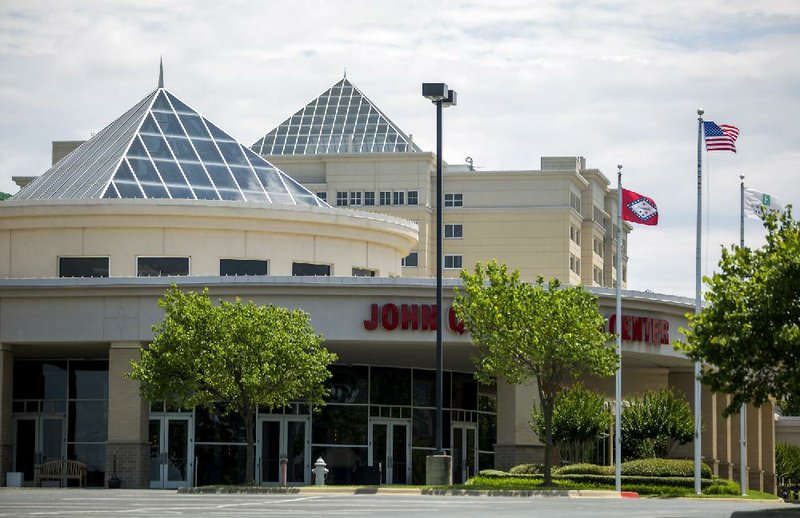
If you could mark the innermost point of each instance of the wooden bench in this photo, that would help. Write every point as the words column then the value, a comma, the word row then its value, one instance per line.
column 61, row 470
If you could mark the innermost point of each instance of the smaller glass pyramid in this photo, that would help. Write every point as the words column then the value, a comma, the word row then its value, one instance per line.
column 341, row 120
column 162, row 148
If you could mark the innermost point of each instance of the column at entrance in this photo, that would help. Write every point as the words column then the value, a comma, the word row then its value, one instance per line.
column 516, row 442
column 756, row 473
column 725, row 448
column 6, row 429
column 710, row 415
column 768, row 447
column 128, row 413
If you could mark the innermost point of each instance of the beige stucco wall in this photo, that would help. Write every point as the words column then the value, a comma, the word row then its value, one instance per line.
column 520, row 218
column 34, row 235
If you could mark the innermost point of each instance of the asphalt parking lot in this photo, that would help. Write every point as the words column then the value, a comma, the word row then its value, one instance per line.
column 144, row 503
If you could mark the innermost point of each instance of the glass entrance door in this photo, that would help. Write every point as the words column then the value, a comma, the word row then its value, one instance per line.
column 465, row 451
column 390, row 449
column 283, row 437
column 171, row 451
column 38, row 439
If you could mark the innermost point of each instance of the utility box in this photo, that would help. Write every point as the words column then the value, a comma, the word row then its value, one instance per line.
column 14, row 479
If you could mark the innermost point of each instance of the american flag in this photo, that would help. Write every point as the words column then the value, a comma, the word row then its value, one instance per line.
column 720, row 137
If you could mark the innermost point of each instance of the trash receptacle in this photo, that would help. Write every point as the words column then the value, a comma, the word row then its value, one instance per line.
column 14, row 479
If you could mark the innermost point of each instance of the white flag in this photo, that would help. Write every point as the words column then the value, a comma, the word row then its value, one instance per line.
column 755, row 200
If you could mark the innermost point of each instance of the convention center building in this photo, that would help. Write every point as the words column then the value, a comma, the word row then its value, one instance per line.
column 332, row 211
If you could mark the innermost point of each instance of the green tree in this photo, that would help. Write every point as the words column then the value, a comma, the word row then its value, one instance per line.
column 787, row 461
column 580, row 418
column 653, row 423
column 241, row 355
column 522, row 331
column 749, row 334
column 4, row 196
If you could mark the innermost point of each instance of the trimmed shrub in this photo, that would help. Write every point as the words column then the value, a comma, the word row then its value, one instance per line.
column 580, row 418
column 787, row 461
column 584, row 469
column 723, row 487
column 492, row 473
column 653, row 423
column 664, row 468
column 527, row 469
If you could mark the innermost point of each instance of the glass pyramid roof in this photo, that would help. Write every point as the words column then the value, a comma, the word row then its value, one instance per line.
column 341, row 120
column 162, row 148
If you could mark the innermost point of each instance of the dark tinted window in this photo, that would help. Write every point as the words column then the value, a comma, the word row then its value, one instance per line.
column 212, row 425
column 162, row 266
column 465, row 391
column 88, row 421
column 40, row 380
column 348, row 384
column 242, row 267
column 88, row 379
column 390, row 386
column 300, row 269
column 338, row 424
column 83, row 266
column 411, row 260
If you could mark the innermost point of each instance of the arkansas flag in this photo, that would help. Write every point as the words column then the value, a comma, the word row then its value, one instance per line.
column 638, row 208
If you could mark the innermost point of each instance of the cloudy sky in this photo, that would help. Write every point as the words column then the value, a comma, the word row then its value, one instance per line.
column 615, row 82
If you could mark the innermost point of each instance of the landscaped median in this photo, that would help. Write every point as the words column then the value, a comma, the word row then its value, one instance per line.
column 646, row 477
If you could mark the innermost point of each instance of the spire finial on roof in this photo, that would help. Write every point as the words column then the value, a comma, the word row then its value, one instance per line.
column 161, row 72
column 345, row 72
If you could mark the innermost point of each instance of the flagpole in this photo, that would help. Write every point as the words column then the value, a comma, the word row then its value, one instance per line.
column 618, row 331
column 743, row 408
column 697, row 299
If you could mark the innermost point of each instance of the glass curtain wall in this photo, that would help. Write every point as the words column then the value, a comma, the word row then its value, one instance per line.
column 361, row 397
column 60, row 410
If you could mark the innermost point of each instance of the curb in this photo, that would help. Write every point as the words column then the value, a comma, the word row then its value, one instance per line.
column 343, row 490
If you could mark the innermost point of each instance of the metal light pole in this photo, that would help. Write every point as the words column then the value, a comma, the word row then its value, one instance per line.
column 442, row 97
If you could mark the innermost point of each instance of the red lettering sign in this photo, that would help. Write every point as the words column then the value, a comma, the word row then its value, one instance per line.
column 456, row 325
column 409, row 314
column 429, row 317
column 390, row 317
column 641, row 329
column 372, row 323
column 409, row 317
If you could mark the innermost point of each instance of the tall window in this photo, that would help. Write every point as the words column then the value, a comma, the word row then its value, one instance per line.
column 411, row 260
column 454, row 231
column 386, row 198
column 452, row 262
column 369, row 198
column 242, row 267
column 398, row 198
column 355, row 197
column 310, row 269
column 453, row 199
column 413, row 197
column 575, row 234
column 575, row 201
column 598, row 246
column 83, row 266
column 341, row 198
column 162, row 266
column 598, row 275
column 575, row 264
